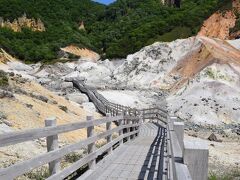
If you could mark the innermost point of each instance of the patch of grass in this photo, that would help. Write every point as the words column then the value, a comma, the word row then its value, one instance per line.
column 236, row 27
column 2, row 115
column 233, row 175
column 176, row 33
column 72, row 157
column 210, row 73
column 3, row 79
column 38, row 174
column 226, row 7
column 64, row 108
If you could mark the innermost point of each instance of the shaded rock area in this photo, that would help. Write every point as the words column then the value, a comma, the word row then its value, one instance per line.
column 213, row 137
column 78, row 98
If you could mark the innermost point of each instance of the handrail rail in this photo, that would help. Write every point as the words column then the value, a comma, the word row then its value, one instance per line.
column 102, row 104
column 17, row 137
column 31, row 134
column 130, row 120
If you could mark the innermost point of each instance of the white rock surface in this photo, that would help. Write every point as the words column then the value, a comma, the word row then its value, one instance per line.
column 19, row 66
column 89, row 107
column 72, row 75
column 235, row 43
column 148, row 71
column 134, row 99
column 78, row 98
column 65, row 85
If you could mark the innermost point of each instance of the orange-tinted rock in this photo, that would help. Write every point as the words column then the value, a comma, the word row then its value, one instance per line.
column 18, row 24
column 220, row 23
column 82, row 53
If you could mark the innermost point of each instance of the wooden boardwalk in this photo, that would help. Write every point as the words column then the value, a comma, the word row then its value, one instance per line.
column 143, row 158
column 152, row 150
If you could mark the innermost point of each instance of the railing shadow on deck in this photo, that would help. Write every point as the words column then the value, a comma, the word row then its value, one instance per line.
column 156, row 151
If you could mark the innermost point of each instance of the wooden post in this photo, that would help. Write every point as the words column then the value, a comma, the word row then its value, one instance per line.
column 127, row 122
column 52, row 144
column 109, row 138
column 179, row 130
column 91, row 147
column 120, row 131
column 195, row 156
column 140, row 123
column 133, row 129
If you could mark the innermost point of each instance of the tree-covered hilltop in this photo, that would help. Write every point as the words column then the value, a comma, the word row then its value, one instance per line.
column 113, row 31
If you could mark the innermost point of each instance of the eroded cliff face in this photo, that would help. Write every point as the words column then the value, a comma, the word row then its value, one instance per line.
column 82, row 53
column 219, row 25
column 21, row 22
column 5, row 57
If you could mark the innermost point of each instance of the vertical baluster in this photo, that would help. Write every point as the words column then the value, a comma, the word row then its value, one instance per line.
column 127, row 123
column 120, row 131
column 52, row 144
column 91, row 147
column 109, row 138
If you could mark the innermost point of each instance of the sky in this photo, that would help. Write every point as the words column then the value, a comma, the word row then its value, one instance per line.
column 105, row 1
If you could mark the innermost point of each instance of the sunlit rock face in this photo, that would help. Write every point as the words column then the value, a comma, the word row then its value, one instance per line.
column 23, row 22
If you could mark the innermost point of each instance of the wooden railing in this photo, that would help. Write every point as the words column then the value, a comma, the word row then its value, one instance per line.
column 54, row 154
column 183, row 159
column 187, row 160
column 102, row 104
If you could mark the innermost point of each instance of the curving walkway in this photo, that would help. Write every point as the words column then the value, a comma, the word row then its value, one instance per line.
column 143, row 158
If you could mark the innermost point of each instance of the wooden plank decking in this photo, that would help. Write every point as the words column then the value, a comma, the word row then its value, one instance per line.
column 142, row 158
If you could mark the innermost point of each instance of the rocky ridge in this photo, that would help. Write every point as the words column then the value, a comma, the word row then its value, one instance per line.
column 23, row 22
column 198, row 77
column 220, row 24
column 195, row 73
column 82, row 53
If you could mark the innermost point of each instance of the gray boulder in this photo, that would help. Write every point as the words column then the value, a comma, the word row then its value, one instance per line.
column 66, row 85
column 54, row 85
column 78, row 98
column 6, row 94
column 71, row 76
column 19, row 66
column 89, row 106
column 39, row 97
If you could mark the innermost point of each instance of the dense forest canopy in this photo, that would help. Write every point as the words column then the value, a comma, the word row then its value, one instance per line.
column 114, row 31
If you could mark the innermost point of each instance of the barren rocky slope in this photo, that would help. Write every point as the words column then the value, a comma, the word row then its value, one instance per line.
column 196, row 73
column 199, row 78
column 219, row 25
column 24, row 104
column 82, row 53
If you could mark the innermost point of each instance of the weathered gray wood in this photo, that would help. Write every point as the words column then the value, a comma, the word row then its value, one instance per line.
column 128, row 123
column 23, row 167
column 140, row 121
column 104, row 106
column 120, row 123
column 75, row 166
column 109, row 138
column 27, row 135
column 182, row 172
column 52, row 144
column 179, row 130
column 171, row 162
column 91, row 147
column 176, row 148
column 196, row 158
